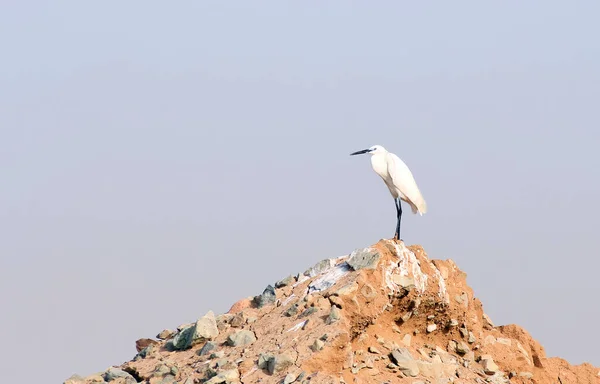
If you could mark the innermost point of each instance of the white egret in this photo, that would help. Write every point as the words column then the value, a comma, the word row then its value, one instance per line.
column 399, row 180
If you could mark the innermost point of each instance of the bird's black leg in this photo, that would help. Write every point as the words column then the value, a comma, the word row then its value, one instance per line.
column 399, row 215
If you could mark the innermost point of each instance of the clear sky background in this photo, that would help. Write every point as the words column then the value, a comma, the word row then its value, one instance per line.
column 161, row 160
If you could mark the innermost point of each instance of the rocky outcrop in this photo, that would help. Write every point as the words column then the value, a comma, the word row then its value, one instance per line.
column 383, row 314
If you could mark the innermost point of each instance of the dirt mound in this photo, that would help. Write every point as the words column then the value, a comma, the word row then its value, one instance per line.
column 383, row 314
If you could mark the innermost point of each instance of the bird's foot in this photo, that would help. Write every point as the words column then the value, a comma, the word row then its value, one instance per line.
column 397, row 239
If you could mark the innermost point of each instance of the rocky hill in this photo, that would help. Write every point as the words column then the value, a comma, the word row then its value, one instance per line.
column 383, row 314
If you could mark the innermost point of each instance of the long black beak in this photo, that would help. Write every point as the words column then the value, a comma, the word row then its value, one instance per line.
column 360, row 152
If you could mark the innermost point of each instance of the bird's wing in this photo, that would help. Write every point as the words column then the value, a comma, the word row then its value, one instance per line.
column 404, row 181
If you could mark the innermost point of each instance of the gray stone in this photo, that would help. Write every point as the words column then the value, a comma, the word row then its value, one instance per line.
column 207, row 348
column 183, row 338
column 291, row 311
column 431, row 328
column 404, row 360
column 268, row 297
column 334, row 315
column 165, row 334
column 263, row 360
column 308, row 311
column 453, row 323
column 113, row 373
column 241, row 338
column 364, row 258
column 204, row 329
column 279, row 363
column 285, row 282
column 319, row 268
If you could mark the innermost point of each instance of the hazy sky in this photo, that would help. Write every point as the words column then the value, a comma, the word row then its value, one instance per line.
column 161, row 160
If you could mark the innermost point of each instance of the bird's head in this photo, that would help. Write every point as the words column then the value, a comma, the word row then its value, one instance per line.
column 372, row 150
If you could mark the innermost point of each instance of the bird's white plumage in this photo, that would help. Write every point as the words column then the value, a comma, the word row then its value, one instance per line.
column 398, row 178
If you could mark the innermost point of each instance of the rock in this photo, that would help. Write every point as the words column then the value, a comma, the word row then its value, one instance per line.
column 291, row 311
column 452, row 345
column 334, row 315
column 228, row 376
column 319, row 268
column 487, row 322
column 183, row 339
column 285, row 282
column 364, row 258
column 462, row 348
column 489, row 340
column 431, row 328
column 404, row 360
column 368, row 291
column 167, row 379
column 206, row 348
column 279, row 363
column 336, row 300
column 472, row 338
column 96, row 378
column 268, row 297
column 238, row 320
column 241, row 338
column 436, row 369
column 462, row 299
column 504, row 341
column 165, row 334
column 317, row 345
column 307, row 312
column 143, row 343
column 406, row 340
column 75, row 379
column 289, row 378
column 347, row 289
column 489, row 367
column 406, row 282
column 204, row 329
column 527, row 375
column 374, row 350
column 113, row 373
column 263, row 360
